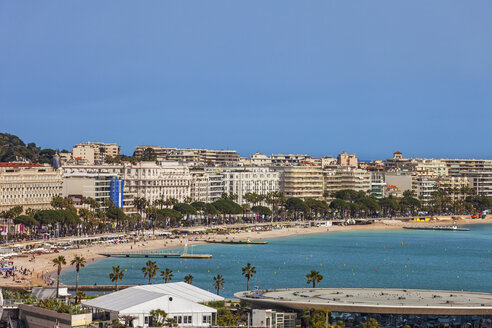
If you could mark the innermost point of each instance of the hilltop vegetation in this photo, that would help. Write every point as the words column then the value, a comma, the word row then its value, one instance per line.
column 12, row 148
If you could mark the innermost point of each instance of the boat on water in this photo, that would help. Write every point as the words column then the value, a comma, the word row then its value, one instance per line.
column 441, row 228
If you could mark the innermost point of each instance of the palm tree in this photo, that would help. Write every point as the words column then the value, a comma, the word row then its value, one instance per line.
column 314, row 277
column 150, row 270
column 58, row 262
column 248, row 272
column 79, row 262
column 167, row 275
column 188, row 279
column 219, row 283
column 116, row 275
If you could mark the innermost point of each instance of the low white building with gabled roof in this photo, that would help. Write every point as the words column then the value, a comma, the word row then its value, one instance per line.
column 179, row 300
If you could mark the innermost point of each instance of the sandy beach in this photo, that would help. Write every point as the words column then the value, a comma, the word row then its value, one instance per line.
column 43, row 266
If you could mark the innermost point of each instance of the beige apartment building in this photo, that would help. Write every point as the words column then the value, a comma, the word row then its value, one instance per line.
column 197, row 156
column 454, row 186
column 345, row 159
column 345, row 177
column 301, row 181
column 94, row 152
column 28, row 185
column 477, row 171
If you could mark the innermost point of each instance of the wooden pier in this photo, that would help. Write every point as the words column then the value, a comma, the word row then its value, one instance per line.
column 157, row 255
column 235, row 242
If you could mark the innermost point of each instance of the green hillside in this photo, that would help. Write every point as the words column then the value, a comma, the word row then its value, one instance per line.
column 12, row 148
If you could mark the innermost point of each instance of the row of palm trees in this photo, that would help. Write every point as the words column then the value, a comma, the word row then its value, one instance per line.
column 60, row 261
column 150, row 271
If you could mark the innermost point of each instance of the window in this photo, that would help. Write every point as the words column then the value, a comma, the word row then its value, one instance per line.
column 146, row 320
column 179, row 319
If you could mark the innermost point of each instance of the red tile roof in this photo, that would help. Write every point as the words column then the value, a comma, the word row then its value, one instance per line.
column 16, row 165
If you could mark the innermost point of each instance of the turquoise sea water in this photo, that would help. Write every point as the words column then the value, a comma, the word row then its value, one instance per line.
column 397, row 258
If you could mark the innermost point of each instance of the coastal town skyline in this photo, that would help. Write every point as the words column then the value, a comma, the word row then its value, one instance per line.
column 129, row 150
column 263, row 164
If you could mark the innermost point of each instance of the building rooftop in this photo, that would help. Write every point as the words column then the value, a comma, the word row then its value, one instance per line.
column 173, row 297
column 17, row 165
column 374, row 300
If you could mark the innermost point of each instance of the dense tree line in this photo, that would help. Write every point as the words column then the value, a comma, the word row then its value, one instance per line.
column 12, row 148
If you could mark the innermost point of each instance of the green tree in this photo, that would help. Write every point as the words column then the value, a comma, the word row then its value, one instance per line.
column 314, row 277
column 158, row 317
column 150, row 270
column 318, row 318
column 218, row 283
column 58, row 202
column 185, row 209
column 140, row 204
column 58, row 262
column 167, row 275
column 148, row 155
column 248, row 272
column 261, row 210
column 116, row 275
column 188, row 279
column 295, row 206
column 26, row 220
column 371, row 323
column 116, row 214
column 79, row 262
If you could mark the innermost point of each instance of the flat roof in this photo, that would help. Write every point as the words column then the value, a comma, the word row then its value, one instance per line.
column 374, row 300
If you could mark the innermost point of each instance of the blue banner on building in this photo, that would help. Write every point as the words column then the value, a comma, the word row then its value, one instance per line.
column 116, row 192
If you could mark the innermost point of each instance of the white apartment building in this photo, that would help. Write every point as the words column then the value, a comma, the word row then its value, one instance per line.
column 200, row 185
column 28, row 185
column 423, row 188
column 289, row 159
column 378, row 184
column 477, row 171
column 150, row 180
column 94, row 152
column 161, row 180
column 431, row 166
column 100, row 186
column 240, row 181
column 301, row 181
column 273, row 319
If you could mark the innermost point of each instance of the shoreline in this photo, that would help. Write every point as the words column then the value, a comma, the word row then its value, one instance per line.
column 43, row 266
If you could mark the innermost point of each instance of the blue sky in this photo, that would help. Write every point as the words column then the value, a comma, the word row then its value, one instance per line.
column 317, row 77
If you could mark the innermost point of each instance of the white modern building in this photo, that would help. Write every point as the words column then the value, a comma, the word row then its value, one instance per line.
column 243, row 180
column 179, row 300
column 161, row 180
column 273, row 319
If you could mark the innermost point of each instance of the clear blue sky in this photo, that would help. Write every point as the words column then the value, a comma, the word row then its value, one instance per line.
column 317, row 77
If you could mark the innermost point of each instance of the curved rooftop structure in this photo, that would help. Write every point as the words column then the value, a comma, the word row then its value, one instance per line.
column 374, row 300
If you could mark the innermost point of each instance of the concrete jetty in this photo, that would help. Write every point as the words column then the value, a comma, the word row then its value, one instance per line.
column 156, row 255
